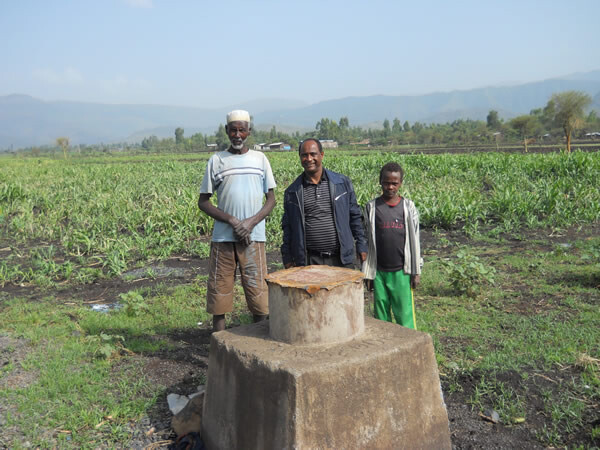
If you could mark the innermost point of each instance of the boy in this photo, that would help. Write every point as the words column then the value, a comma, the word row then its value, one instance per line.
column 394, row 256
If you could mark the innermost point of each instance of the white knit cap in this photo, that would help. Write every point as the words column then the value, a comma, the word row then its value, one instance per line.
column 238, row 115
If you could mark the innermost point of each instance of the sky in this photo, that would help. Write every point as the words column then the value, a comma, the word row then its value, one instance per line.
column 214, row 54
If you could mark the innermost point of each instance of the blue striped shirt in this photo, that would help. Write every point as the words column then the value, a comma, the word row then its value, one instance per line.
column 240, row 182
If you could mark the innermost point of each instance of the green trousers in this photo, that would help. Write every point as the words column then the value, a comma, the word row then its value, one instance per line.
column 393, row 294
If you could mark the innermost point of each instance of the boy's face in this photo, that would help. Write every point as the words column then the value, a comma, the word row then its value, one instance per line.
column 390, row 183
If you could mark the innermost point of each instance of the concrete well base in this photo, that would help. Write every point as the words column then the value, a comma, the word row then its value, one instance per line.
column 380, row 390
column 316, row 305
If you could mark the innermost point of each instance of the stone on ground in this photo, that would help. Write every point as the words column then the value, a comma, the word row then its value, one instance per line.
column 177, row 402
column 189, row 419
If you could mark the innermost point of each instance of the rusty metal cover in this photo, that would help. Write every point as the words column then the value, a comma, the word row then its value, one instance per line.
column 313, row 278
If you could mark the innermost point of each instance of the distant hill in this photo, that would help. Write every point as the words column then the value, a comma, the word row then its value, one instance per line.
column 442, row 107
column 26, row 121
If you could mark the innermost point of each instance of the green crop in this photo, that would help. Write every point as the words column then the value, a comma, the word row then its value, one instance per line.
column 119, row 211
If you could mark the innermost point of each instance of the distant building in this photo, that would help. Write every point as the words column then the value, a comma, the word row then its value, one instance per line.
column 279, row 146
column 264, row 146
column 329, row 143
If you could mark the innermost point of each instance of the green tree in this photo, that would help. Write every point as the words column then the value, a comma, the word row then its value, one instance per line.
column 221, row 138
column 63, row 143
column 197, row 141
column 592, row 121
column 149, row 142
column 525, row 126
column 568, row 111
column 386, row 128
column 493, row 121
column 406, row 126
column 178, row 135
column 548, row 114
column 417, row 127
column 396, row 126
column 327, row 129
column 343, row 130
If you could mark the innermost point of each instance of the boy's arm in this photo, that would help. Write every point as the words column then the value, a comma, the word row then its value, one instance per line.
column 415, row 219
column 415, row 280
column 369, row 265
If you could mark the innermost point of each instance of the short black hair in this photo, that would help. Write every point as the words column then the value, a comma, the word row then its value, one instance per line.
column 301, row 143
column 391, row 167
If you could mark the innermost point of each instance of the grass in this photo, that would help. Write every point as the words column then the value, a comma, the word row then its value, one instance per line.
column 501, row 397
column 75, row 384
column 541, row 316
column 65, row 220
column 72, row 389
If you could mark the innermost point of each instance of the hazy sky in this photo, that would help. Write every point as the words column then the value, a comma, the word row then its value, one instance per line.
column 208, row 53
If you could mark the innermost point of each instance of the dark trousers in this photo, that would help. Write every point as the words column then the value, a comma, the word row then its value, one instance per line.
column 326, row 259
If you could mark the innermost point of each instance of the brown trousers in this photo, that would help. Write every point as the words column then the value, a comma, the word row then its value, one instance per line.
column 225, row 257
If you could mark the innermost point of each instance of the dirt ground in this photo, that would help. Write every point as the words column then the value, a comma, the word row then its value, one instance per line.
column 182, row 369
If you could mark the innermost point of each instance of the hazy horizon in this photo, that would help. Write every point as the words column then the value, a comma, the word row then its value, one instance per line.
column 216, row 55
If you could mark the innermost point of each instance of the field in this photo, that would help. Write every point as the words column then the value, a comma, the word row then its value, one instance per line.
column 510, row 291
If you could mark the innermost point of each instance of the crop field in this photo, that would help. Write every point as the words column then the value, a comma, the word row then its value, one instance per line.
column 103, row 216
column 510, row 291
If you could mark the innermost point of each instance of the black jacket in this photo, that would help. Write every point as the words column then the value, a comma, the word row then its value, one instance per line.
column 346, row 214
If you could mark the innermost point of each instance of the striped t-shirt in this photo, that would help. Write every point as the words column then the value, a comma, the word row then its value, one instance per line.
column 321, row 235
column 240, row 182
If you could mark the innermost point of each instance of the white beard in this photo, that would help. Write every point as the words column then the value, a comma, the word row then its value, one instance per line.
column 239, row 146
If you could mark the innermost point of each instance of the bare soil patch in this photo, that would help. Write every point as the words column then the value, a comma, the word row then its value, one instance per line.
column 12, row 353
column 12, row 376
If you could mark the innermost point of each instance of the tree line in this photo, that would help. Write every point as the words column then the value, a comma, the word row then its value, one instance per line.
column 562, row 117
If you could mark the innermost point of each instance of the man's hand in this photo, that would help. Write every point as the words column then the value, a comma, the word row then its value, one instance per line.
column 363, row 256
column 242, row 229
column 290, row 264
column 414, row 281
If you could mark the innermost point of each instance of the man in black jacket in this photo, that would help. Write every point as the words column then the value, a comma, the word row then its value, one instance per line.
column 321, row 221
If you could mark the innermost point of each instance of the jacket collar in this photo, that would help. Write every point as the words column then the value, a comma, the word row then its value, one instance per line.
column 332, row 178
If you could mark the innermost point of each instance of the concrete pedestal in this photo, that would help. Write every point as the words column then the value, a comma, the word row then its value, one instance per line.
column 379, row 390
column 316, row 305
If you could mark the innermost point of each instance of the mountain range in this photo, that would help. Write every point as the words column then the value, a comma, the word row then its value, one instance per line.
column 27, row 121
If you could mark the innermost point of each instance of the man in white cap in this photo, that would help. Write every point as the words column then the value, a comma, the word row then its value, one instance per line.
column 240, row 177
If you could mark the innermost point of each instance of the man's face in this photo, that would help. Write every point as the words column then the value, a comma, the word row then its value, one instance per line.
column 238, row 132
column 390, row 183
column 310, row 157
